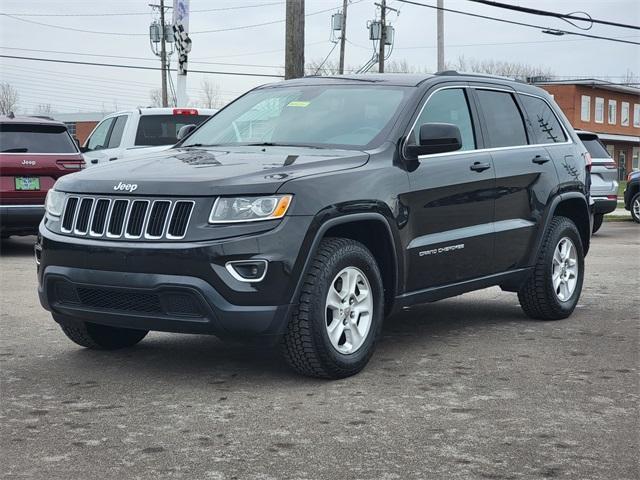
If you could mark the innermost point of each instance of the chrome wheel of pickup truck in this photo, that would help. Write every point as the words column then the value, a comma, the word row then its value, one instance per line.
column 349, row 308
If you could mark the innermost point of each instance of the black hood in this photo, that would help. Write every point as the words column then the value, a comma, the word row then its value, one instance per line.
column 211, row 171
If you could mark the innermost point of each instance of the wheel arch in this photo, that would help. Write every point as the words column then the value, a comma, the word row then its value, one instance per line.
column 373, row 230
column 574, row 206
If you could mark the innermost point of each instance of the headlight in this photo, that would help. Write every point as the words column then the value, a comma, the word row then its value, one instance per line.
column 55, row 202
column 249, row 209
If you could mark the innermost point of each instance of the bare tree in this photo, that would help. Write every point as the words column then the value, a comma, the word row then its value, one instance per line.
column 520, row 71
column 317, row 67
column 401, row 66
column 44, row 109
column 210, row 94
column 155, row 95
column 630, row 78
column 8, row 98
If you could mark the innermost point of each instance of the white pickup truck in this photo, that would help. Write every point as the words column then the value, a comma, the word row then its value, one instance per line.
column 136, row 132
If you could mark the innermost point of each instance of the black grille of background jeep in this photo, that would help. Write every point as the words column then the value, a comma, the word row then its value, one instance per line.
column 126, row 218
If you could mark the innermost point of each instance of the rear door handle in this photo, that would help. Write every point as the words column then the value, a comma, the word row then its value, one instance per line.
column 540, row 160
column 113, row 158
column 480, row 167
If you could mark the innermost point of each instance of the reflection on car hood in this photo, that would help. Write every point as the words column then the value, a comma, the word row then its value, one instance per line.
column 211, row 171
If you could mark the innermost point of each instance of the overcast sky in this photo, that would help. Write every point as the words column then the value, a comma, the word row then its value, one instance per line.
column 260, row 49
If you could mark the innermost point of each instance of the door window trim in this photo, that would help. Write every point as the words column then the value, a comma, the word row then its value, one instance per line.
column 569, row 140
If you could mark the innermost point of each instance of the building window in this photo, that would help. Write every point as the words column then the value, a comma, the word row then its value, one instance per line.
column 585, row 111
column 613, row 106
column 636, row 115
column 624, row 114
column 599, row 110
column 611, row 150
column 635, row 158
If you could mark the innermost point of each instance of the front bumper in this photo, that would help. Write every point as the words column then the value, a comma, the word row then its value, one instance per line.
column 20, row 219
column 172, row 286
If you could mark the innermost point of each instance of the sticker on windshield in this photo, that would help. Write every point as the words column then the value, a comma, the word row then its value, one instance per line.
column 298, row 104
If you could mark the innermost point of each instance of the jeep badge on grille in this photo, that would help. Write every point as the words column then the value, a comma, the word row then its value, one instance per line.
column 127, row 187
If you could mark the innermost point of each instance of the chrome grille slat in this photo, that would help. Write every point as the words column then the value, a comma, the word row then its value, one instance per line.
column 130, row 218
column 157, row 219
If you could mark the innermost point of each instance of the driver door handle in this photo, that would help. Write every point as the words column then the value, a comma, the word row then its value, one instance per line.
column 480, row 167
column 540, row 160
column 113, row 158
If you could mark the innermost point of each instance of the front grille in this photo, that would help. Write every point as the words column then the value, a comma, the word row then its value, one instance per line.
column 174, row 303
column 121, row 218
column 117, row 300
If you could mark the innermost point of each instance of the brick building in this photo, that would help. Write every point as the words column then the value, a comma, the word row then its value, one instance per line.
column 612, row 111
column 80, row 125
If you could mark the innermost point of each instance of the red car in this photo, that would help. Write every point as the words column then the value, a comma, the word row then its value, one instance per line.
column 34, row 153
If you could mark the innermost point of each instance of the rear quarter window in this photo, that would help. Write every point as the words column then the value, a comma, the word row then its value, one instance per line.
column 595, row 148
column 542, row 121
column 154, row 130
column 26, row 138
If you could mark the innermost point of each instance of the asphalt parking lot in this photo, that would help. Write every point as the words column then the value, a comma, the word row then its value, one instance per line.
column 461, row 389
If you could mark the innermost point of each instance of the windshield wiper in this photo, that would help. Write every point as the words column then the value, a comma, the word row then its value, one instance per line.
column 275, row 144
column 16, row 150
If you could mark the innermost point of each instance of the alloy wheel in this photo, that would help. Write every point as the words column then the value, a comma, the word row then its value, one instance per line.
column 349, row 310
column 565, row 269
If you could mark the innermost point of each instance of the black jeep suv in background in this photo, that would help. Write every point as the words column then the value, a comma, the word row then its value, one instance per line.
column 309, row 210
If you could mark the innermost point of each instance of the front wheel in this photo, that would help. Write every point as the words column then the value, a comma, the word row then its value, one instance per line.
column 635, row 208
column 100, row 337
column 553, row 289
column 333, row 331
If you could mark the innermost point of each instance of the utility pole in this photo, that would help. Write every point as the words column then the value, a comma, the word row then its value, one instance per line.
column 163, row 57
column 294, row 40
column 343, row 38
column 440, row 21
column 383, row 34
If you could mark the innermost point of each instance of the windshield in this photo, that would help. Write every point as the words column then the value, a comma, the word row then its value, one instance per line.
column 36, row 138
column 321, row 115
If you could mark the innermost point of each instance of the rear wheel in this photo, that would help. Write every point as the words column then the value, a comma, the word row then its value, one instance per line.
column 101, row 337
column 597, row 222
column 333, row 331
column 553, row 289
column 635, row 208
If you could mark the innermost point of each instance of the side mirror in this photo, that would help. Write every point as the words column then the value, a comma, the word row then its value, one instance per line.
column 435, row 138
column 185, row 131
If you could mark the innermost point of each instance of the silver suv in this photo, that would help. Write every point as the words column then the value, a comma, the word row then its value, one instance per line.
column 604, row 174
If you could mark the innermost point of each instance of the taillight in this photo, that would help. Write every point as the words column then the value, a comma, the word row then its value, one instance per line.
column 71, row 164
column 588, row 161
column 185, row 111
column 612, row 197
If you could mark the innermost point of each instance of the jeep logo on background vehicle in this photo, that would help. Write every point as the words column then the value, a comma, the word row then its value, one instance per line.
column 30, row 163
column 252, row 244
column 127, row 187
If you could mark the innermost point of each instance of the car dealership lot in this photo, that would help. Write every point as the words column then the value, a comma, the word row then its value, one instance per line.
column 463, row 388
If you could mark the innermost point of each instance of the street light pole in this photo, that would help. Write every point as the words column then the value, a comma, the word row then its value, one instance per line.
column 440, row 28
column 343, row 37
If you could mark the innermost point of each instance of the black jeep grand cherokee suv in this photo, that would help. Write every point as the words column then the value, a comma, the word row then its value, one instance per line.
column 310, row 209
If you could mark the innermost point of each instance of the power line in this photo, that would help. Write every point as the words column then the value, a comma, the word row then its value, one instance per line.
column 136, row 67
column 547, row 13
column 227, row 29
column 120, row 14
column 538, row 27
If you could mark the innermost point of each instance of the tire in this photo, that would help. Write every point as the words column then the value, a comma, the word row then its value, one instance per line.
column 306, row 344
column 597, row 222
column 635, row 208
column 538, row 297
column 101, row 337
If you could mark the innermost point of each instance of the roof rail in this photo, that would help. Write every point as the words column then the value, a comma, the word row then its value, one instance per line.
column 475, row 74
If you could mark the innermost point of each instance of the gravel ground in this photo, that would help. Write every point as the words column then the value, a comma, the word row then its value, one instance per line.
column 460, row 389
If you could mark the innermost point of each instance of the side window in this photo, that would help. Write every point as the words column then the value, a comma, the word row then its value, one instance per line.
column 449, row 106
column 100, row 136
column 503, row 119
column 116, row 133
column 543, row 122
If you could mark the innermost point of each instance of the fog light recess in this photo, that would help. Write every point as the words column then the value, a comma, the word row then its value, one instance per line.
column 247, row 270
